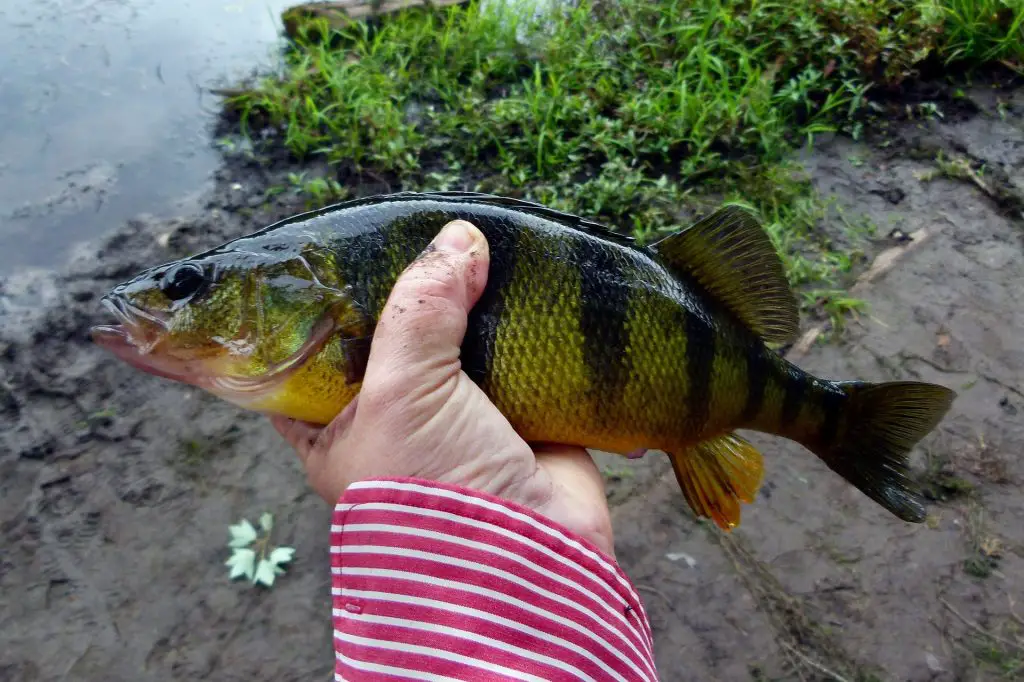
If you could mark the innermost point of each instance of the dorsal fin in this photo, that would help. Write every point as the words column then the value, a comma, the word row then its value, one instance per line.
column 567, row 219
column 732, row 257
column 570, row 220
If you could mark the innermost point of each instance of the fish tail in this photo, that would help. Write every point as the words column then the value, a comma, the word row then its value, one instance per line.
column 879, row 425
column 862, row 431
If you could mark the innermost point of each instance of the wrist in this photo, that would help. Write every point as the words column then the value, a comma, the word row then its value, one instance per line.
column 568, row 501
column 510, row 474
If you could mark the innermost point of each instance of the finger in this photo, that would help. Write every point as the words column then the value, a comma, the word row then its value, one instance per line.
column 302, row 436
column 417, row 341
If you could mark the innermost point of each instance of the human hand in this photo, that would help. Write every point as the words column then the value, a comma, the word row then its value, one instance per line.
column 419, row 415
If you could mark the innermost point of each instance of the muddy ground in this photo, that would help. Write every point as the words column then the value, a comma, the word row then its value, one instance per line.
column 116, row 489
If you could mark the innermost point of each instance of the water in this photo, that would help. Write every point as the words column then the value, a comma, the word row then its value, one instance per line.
column 102, row 114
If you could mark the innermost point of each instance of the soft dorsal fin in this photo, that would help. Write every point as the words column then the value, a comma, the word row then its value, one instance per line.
column 732, row 257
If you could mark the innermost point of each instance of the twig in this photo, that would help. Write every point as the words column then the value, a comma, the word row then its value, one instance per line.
column 885, row 261
column 980, row 630
column 1013, row 613
column 1012, row 66
column 229, row 92
column 997, row 382
column 655, row 591
column 882, row 264
column 379, row 179
column 814, row 664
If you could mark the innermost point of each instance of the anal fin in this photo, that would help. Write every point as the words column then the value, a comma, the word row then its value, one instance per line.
column 716, row 475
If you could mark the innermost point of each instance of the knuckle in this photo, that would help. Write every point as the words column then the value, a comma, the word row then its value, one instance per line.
column 435, row 290
column 435, row 274
column 418, row 315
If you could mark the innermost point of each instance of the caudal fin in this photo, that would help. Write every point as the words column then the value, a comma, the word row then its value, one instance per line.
column 881, row 424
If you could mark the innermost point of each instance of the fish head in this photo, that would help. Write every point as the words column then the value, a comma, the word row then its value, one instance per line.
column 241, row 324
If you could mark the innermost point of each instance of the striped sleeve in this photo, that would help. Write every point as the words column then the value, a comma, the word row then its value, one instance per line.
column 438, row 582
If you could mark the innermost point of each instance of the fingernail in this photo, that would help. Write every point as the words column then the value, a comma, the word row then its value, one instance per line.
column 456, row 237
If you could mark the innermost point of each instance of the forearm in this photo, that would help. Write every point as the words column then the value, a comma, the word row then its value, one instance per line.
column 430, row 579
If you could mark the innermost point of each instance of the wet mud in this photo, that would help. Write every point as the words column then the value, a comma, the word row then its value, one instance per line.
column 116, row 489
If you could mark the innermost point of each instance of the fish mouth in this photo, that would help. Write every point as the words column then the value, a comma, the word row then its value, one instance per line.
column 141, row 328
column 118, row 341
column 139, row 341
column 134, row 339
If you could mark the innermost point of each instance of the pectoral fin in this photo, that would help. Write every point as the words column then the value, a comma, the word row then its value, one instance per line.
column 716, row 475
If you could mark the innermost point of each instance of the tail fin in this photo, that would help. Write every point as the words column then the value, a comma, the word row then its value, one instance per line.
column 881, row 424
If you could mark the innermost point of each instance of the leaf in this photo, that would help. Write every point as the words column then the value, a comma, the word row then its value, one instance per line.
column 282, row 555
column 267, row 521
column 264, row 573
column 242, row 563
column 242, row 534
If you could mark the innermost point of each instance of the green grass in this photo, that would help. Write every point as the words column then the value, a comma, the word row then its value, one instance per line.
column 1003, row 661
column 636, row 112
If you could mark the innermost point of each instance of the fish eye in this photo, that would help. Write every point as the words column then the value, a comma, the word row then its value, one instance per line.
column 182, row 281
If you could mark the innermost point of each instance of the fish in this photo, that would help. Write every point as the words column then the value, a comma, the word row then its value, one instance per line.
column 582, row 336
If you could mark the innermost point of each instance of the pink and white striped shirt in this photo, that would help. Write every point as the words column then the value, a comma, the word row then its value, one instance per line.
column 438, row 582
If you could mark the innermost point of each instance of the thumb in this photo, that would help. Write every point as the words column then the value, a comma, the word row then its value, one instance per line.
column 418, row 337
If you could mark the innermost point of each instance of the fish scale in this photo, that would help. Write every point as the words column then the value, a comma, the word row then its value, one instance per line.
column 581, row 336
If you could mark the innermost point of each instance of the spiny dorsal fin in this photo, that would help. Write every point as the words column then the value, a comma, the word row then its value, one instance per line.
column 570, row 220
column 716, row 475
column 567, row 219
column 731, row 256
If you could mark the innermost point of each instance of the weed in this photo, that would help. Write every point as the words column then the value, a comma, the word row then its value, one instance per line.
column 998, row 650
column 253, row 556
column 619, row 473
column 984, row 548
column 101, row 417
column 982, row 30
column 193, row 454
column 105, row 413
column 836, row 306
column 194, row 451
column 625, row 112
column 1002, row 660
column 939, row 480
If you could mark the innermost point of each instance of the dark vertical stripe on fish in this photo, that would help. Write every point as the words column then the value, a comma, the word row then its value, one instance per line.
column 604, row 315
column 478, row 345
column 796, row 386
column 832, row 401
column 700, row 356
column 758, row 369
column 358, row 263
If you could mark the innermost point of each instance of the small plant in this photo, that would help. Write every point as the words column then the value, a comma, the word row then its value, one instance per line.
column 252, row 554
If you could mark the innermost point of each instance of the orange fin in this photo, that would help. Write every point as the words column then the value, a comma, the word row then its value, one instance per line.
column 716, row 475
